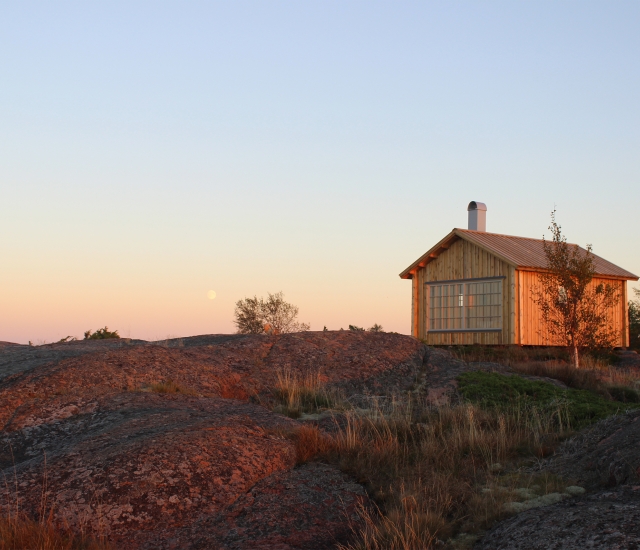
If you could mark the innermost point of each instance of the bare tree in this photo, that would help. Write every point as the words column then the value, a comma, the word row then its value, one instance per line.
column 273, row 315
column 573, row 309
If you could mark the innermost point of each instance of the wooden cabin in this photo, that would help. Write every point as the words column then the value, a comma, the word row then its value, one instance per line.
column 475, row 287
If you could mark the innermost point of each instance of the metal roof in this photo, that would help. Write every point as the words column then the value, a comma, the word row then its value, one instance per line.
column 520, row 252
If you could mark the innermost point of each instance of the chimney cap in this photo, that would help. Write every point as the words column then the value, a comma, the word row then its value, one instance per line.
column 475, row 205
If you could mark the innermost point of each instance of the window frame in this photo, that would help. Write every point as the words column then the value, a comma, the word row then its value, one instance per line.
column 463, row 282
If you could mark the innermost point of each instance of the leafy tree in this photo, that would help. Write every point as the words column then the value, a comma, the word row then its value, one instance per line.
column 273, row 315
column 634, row 320
column 376, row 328
column 248, row 316
column 573, row 309
column 101, row 334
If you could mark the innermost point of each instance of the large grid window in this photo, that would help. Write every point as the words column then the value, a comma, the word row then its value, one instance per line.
column 467, row 305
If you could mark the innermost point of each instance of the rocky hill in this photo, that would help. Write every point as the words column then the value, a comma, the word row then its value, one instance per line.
column 84, row 434
column 178, row 444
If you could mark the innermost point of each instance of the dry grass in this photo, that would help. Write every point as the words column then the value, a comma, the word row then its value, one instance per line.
column 598, row 372
column 597, row 376
column 433, row 472
column 310, row 443
column 169, row 386
column 507, row 355
column 299, row 393
column 440, row 476
column 19, row 532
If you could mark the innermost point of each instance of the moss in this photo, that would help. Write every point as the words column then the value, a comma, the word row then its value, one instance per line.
column 492, row 390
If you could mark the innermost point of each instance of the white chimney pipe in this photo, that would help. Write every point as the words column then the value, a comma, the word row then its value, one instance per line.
column 477, row 216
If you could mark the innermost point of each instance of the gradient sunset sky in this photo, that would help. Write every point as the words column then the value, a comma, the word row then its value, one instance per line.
column 151, row 152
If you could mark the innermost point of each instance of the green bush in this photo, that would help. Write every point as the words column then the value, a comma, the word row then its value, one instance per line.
column 493, row 390
column 101, row 334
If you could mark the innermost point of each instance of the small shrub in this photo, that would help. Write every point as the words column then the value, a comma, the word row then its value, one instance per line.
column 355, row 328
column 272, row 316
column 376, row 328
column 101, row 334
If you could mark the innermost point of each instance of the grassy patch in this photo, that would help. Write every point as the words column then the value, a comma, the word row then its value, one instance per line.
column 577, row 408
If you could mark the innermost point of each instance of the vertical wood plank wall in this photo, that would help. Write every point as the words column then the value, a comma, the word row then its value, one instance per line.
column 521, row 319
column 415, row 297
column 465, row 260
column 532, row 329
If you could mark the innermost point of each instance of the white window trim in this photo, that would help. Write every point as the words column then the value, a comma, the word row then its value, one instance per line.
column 463, row 282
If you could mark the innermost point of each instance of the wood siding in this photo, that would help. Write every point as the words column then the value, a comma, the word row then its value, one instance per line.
column 464, row 260
column 521, row 319
column 533, row 331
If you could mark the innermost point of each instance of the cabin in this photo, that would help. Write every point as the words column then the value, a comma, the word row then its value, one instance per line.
column 475, row 287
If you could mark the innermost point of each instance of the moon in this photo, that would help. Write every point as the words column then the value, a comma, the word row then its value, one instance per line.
column 211, row 294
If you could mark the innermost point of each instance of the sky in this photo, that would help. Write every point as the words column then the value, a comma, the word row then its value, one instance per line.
column 152, row 152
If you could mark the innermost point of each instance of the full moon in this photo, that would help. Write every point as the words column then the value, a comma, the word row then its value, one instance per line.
column 211, row 294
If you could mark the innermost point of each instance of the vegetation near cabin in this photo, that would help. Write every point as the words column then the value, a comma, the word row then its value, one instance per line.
column 101, row 334
column 273, row 315
column 446, row 442
column 634, row 321
column 573, row 310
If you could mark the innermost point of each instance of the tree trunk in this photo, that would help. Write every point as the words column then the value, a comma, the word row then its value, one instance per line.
column 576, row 357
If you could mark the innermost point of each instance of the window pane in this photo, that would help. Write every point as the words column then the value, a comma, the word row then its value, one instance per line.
column 473, row 306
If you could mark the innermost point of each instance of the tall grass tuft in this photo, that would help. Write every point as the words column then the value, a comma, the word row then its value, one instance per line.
column 19, row 532
column 298, row 393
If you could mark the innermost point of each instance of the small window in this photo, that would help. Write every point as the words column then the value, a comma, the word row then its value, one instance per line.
column 467, row 305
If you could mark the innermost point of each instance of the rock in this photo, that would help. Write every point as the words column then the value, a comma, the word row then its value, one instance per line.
column 575, row 490
column 608, row 520
column 535, row 502
column 204, row 468
column 605, row 455
column 39, row 386
column 307, row 507
column 145, row 463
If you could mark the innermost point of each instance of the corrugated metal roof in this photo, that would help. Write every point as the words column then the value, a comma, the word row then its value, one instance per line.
column 522, row 253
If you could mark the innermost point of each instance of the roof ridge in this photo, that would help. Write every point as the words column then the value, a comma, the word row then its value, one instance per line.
column 510, row 236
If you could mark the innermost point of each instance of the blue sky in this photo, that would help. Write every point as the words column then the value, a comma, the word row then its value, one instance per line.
column 153, row 151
